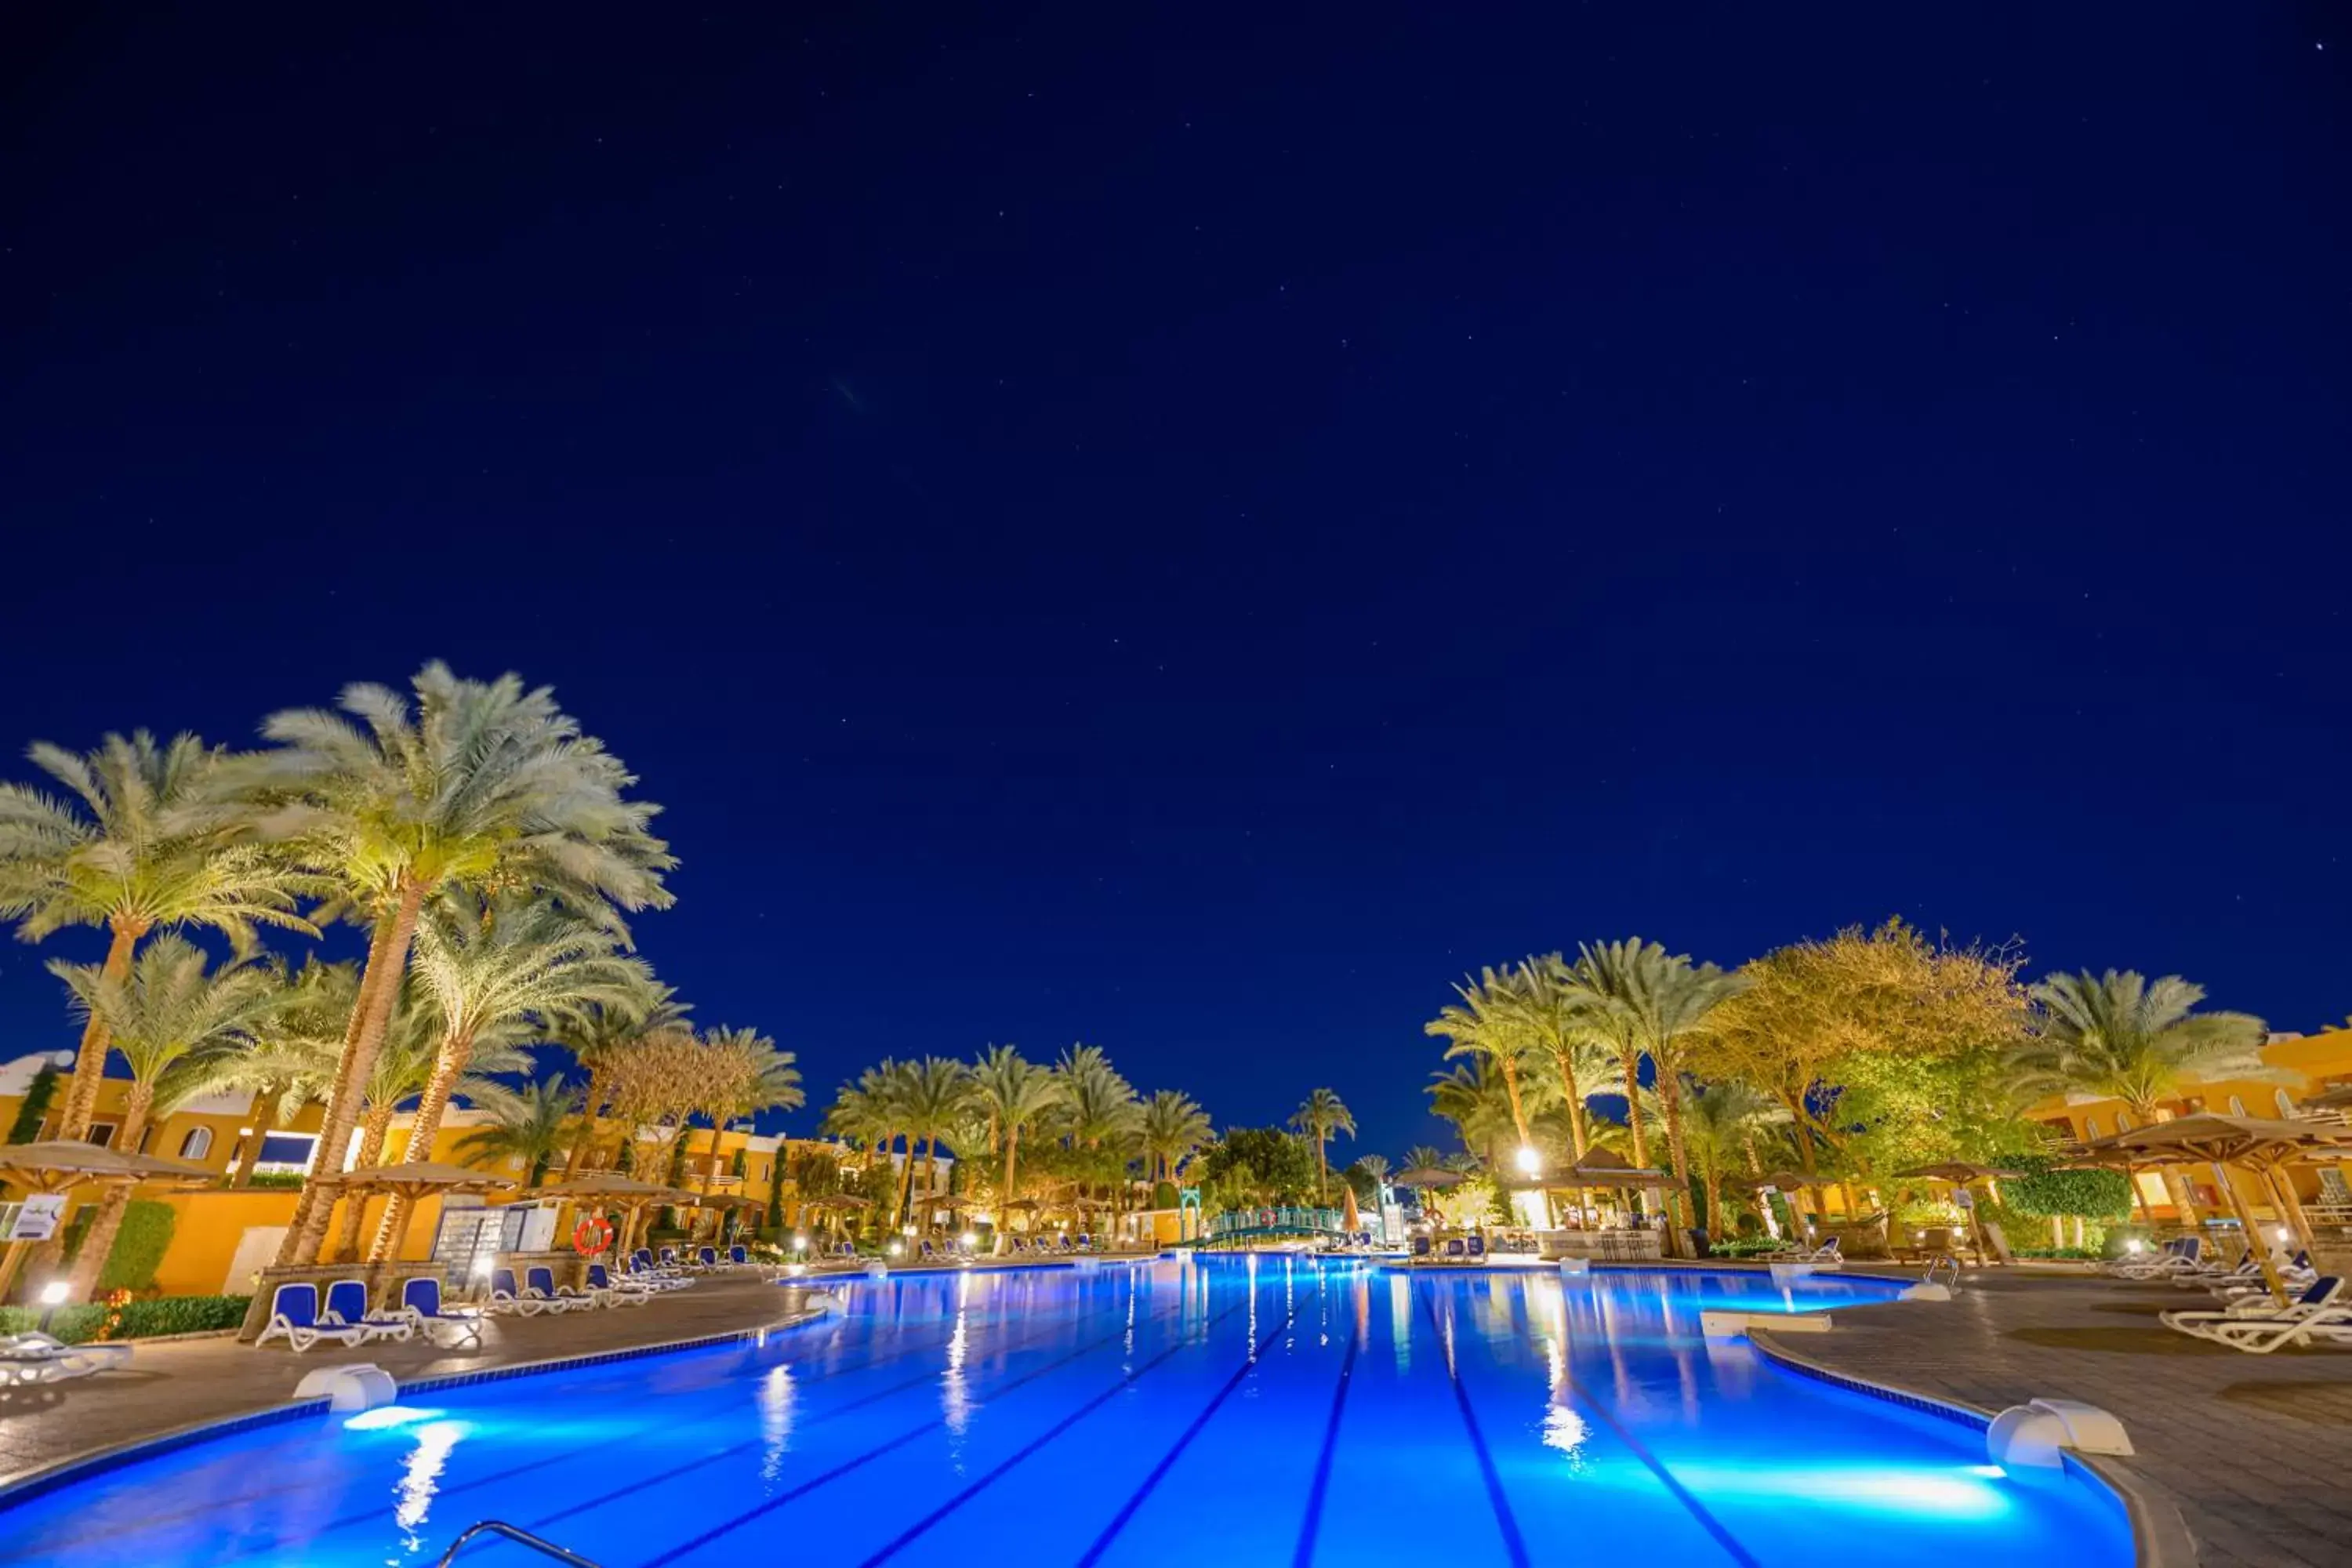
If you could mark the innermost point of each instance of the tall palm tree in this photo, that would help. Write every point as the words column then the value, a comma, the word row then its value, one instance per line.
column 1474, row 1100
column 476, row 785
column 170, row 1019
column 1422, row 1157
column 1173, row 1126
column 511, row 965
column 1018, row 1094
column 530, row 1127
column 1321, row 1116
column 1565, row 1023
column 597, row 1034
column 1099, row 1113
column 752, row 1075
column 1485, row 1026
column 936, row 1091
column 873, row 1112
column 2123, row 1037
column 137, row 844
column 1655, row 1002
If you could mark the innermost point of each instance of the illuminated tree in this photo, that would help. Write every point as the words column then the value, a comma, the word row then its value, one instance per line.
column 1322, row 1116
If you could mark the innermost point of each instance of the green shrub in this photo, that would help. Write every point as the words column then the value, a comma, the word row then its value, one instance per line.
column 276, row 1181
column 1745, row 1246
column 2045, row 1194
column 35, row 1107
column 138, row 1247
column 181, row 1315
column 71, row 1324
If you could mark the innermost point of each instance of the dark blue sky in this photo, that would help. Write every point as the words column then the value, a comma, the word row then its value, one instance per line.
column 1185, row 532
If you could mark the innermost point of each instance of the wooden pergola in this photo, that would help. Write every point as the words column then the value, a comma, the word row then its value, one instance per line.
column 2259, row 1145
column 424, row 1179
column 45, row 1169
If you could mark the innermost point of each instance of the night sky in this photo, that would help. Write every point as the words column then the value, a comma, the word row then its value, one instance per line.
column 1181, row 531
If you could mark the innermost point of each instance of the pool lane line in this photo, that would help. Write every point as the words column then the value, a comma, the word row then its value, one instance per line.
column 900, row 1441
column 570, row 1455
column 1681, row 1494
column 1167, row 1461
column 1514, row 1544
column 350, row 1521
column 1312, row 1524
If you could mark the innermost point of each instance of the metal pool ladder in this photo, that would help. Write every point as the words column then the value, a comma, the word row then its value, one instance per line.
column 1938, row 1265
column 518, row 1536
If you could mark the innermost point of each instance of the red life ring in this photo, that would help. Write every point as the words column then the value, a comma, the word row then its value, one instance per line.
column 592, row 1235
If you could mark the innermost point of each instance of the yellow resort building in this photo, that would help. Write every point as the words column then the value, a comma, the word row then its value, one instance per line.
column 221, row 1234
column 2304, row 1065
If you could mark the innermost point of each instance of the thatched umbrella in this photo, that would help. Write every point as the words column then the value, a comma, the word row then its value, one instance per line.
column 57, row 1166
column 630, row 1196
column 2258, row 1144
column 427, row 1178
column 1425, row 1176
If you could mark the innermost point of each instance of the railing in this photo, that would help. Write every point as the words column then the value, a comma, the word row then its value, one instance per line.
column 520, row 1537
column 1272, row 1218
column 1939, row 1265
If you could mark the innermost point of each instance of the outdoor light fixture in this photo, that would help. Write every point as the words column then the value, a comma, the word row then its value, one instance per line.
column 971, row 1239
column 2132, row 1246
column 2281, row 1235
column 800, row 1243
column 1529, row 1161
column 896, row 1247
column 53, row 1296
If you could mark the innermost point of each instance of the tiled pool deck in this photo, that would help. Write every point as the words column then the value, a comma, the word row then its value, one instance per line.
column 2254, row 1452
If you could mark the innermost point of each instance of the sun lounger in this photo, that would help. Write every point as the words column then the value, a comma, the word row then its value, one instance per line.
column 1419, row 1246
column 1477, row 1244
column 740, row 1257
column 507, row 1300
column 294, row 1317
column 1455, row 1248
column 33, row 1357
column 420, row 1302
column 2316, row 1314
column 347, row 1307
column 611, row 1292
column 539, row 1285
column 2180, row 1256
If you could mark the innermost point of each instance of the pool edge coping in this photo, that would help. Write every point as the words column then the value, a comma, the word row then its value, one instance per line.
column 2160, row 1537
column 93, row 1462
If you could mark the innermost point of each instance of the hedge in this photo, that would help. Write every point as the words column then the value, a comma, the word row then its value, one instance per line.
column 140, row 1319
column 138, row 1247
column 2046, row 1193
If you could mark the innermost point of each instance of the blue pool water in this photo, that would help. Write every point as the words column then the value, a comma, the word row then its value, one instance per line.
column 1228, row 1412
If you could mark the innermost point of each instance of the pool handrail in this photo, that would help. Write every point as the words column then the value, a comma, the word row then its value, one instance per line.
column 514, row 1533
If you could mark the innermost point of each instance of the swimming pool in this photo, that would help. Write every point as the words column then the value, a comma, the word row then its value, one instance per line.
column 1230, row 1412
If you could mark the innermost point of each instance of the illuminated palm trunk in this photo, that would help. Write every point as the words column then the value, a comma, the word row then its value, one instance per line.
column 100, row 1239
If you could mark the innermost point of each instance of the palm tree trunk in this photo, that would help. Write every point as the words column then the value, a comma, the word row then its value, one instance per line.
column 98, row 1240
column 1003, row 1206
column 448, row 1066
column 711, row 1176
column 906, row 1186
column 1633, row 1109
column 585, row 1139
column 1318, row 1170
column 1511, row 1088
column 89, row 1060
column 264, row 1113
column 371, row 1014
column 930, row 1171
column 373, row 1132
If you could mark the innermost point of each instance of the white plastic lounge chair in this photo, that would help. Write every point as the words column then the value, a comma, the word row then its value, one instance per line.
column 2316, row 1314
column 2180, row 1256
column 420, row 1302
column 33, row 1357
column 539, row 1285
column 617, row 1292
column 347, row 1307
column 508, row 1300
column 294, row 1317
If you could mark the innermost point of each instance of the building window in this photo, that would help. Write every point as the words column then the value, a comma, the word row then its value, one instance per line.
column 2123, row 1122
column 101, row 1133
column 197, row 1144
column 2285, row 1102
column 2090, row 1127
column 2237, row 1106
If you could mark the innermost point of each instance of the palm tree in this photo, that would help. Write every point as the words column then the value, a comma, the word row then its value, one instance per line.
column 1422, row 1157
column 509, row 966
column 1018, row 1094
column 1320, row 1116
column 750, row 1076
column 478, row 785
column 598, row 1034
column 2121, row 1036
column 1486, row 1028
column 137, row 844
column 1375, row 1166
column 1567, row 1024
column 1476, row 1102
column 1655, row 1003
column 935, row 1092
column 874, row 1111
column 1721, row 1120
column 530, row 1127
column 1099, row 1112
column 170, row 1019
column 1173, row 1126
column 293, row 1058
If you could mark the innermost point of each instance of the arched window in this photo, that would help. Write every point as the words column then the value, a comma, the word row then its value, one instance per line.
column 2237, row 1106
column 2090, row 1127
column 2285, row 1102
column 2123, row 1122
column 197, row 1144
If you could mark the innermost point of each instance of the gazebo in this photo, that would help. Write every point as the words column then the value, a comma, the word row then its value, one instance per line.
column 2259, row 1145
column 43, row 1170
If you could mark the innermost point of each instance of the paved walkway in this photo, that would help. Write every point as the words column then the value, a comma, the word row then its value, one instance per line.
column 186, row 1382
column 2254, row 1451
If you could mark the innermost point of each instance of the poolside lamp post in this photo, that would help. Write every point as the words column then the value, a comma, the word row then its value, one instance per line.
column 53, row 1296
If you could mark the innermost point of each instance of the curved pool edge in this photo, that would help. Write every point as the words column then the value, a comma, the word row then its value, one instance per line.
column 98, row 1461
column 2160, row 1537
